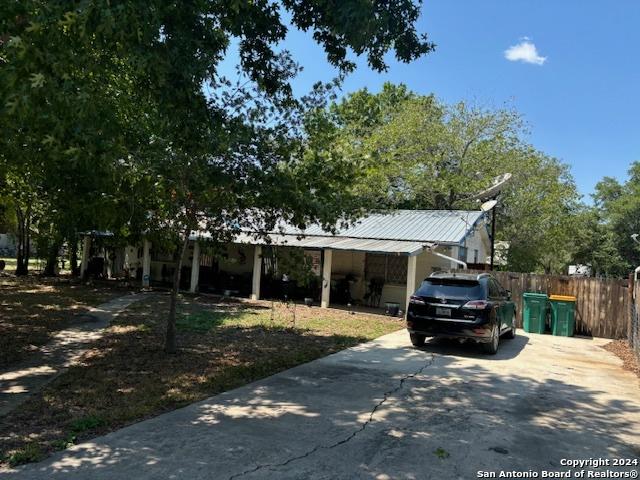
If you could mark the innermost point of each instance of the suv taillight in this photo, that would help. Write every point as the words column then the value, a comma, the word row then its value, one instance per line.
column 476, row 305
column 416, row 300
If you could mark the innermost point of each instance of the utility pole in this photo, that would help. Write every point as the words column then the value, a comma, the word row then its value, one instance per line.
column 493, row 235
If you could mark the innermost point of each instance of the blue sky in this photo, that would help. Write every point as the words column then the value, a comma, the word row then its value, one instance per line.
column 582, row 103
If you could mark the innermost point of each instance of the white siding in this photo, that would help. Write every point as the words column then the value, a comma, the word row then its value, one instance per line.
column 239, row 259
column 345, row 262
column 426, row 264
column 478, row 241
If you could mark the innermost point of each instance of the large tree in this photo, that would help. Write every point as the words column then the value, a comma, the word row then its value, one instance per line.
column 134, row 90
column 418, row 152
column 606, row 243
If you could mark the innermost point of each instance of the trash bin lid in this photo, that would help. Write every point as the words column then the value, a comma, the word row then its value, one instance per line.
column 535, row 295
column 563, row 298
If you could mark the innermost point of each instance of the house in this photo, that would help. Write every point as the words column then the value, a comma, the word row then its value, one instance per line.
column 580, row 270
column 7, row 244
column 380, row 259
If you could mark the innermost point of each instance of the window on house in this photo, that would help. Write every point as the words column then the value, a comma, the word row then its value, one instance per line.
column 462, row 253
column 392, row 268
column 397, row 269
column 475, row 256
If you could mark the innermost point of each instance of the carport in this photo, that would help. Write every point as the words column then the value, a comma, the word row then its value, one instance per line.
column 351, row 258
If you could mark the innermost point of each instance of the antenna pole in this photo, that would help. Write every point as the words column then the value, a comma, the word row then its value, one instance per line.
column 493, row 235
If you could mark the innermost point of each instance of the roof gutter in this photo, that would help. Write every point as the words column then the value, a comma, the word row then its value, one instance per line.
column 451, row 259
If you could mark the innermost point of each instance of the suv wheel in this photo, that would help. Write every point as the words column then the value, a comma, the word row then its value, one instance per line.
column 492, row 347
column 512, row 331
column 417, row 340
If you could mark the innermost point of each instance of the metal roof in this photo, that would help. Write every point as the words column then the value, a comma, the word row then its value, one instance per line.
column 432, row 226
column 403, row 232
column 398, row 247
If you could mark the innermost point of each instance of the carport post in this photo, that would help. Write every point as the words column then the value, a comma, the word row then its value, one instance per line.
column 146, row 263
column 195, row 267
column 411, row 278
column 257, row 273
column 86, row 249
column 326, row 278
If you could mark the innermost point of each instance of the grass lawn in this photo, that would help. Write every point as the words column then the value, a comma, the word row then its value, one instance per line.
column 127, row 377
column 11, row 263
column 33, row 308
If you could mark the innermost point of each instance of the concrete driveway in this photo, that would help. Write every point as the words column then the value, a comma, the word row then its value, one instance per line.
column 385, row 410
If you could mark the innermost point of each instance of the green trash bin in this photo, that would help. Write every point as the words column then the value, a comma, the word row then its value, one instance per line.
column 534, row 314
column 563, row 316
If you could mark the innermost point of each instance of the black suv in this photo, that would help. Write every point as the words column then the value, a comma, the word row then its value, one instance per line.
column 463, row 306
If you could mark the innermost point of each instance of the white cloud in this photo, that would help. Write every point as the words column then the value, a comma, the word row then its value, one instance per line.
column 525, row 51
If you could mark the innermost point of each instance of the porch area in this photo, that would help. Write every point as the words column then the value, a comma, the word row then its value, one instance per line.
column 376, row 263
column 362, row 280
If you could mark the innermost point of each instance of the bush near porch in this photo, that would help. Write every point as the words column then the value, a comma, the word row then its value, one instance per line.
column 127, row 377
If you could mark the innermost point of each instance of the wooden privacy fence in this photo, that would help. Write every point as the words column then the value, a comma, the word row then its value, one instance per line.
column 602, row 306
column 634, row 322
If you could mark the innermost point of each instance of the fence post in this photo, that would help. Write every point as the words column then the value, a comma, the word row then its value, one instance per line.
column 633, row 327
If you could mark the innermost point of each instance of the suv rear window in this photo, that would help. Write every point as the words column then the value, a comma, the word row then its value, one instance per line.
column 451, row 288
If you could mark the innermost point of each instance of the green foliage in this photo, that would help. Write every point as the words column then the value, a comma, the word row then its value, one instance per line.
column 419, row 153
column 441, row 453
column 537, row 214
column 32, row 452
column 596, row 245
column 120, row 110
column 294, row 263
column 201, row 321
column 115, row 115
column 605, row 241
column 64, row 443
column 84, row 424
column 77, row 427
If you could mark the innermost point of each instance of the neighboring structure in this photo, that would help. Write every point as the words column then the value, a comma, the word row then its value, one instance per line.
column 580, row 270
column 389, row 252
column 501, row 255
column 7, row 244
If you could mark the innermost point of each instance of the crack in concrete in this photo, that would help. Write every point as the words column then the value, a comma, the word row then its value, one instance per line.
column 348, row 438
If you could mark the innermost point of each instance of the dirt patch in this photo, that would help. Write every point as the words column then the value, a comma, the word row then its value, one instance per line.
column 33, row 308
column 622, row 349
column 127, row 377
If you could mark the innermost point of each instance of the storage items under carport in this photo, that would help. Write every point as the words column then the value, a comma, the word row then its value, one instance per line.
column 535, row 312
column 562, row 315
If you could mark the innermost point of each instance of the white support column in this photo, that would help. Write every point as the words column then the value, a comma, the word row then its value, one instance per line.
column 146, row 263
column 195, row 267
column 86, row 249
column 412, row 262
column 326, row 278
column 257, row 273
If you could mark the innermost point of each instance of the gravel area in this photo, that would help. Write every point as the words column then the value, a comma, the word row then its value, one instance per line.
column 622, row 349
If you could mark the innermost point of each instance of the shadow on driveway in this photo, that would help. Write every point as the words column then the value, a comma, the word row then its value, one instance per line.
column 384, row 410
column 509, row 348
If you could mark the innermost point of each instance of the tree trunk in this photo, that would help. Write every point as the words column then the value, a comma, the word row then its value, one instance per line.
column 27, row 243
column 50, row 268
column 451, row 200
column 22, row 267
column 73, row 258
column 171, row 343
